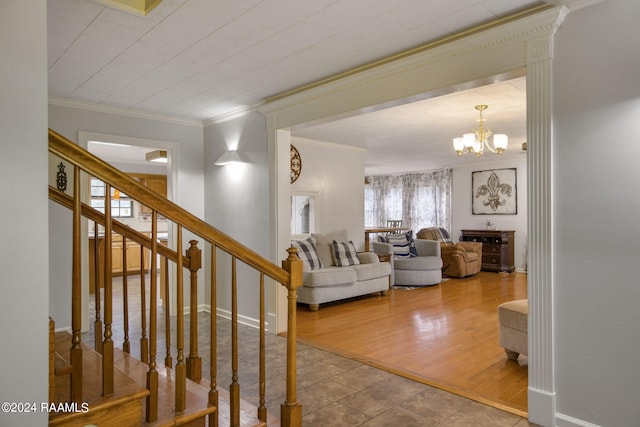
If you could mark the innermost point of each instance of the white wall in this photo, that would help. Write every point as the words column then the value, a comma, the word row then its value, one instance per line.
column 461, row 210
column 24, row 254
column 237, row 203
column 336, row 174
column 597, row 215
column 189, row 187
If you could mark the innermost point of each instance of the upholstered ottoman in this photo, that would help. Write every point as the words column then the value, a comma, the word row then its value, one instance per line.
column 513, row 317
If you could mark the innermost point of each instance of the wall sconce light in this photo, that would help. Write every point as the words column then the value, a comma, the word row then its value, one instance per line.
column 230, row 157
column 159, row 156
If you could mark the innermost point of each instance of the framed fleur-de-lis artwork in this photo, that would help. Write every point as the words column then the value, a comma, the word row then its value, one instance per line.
column 494, row 192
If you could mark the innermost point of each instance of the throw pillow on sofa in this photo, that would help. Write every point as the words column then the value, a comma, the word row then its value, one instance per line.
column 324, row 243
column 344, row 254
column 308, row 254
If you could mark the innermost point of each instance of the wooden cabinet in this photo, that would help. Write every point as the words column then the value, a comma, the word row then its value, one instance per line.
column 156, row 183
column 132, row 253
column 497, row 248
column 116, row 256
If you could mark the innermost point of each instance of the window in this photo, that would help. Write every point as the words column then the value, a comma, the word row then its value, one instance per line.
column 121, row 204
column 419, row 199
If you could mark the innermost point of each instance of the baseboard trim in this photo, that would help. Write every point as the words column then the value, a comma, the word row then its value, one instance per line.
column 201, row 307
column 271, row 323
column 541, row 407
column 563, row 420
column 244, row 320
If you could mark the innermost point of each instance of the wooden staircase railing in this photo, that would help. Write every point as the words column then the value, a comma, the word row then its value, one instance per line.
column 189, row 366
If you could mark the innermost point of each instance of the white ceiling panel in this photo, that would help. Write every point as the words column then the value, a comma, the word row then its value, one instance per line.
column 200, row 59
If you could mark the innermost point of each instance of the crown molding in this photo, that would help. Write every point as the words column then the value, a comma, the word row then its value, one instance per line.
column 231, row 115
column 121, row 111
column 326, row 144
column 411, row 52
column 419, row 73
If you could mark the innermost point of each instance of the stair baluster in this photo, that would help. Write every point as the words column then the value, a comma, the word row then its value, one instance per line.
column 168, row 361
column 152, row 373
column 181, row 372
column 76, row 293
column 97, row 324
column 234, row 388
column 144, row 341
column 213, row 340
column 262, row 408
column 126, row 346
column 194, row 361
column 107, row 343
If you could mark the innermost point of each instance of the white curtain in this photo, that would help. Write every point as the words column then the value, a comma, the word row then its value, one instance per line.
column 419, row 199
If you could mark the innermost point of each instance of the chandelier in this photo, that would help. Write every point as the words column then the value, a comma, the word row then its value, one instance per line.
column 476, row 141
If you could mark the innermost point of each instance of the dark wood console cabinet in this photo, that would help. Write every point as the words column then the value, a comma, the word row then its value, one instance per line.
column 497, row 248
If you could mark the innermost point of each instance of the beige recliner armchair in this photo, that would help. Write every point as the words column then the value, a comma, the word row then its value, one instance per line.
column 460, row 259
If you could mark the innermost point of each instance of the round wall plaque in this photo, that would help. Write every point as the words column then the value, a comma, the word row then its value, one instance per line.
column 296, row 164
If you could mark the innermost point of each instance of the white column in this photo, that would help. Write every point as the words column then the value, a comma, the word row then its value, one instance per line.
column 280, row 223
column 542, row 391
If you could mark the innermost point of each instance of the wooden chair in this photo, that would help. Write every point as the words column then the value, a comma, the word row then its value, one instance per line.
column 394, row 223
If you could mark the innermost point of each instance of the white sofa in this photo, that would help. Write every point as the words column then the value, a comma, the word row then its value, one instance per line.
column 331, row 282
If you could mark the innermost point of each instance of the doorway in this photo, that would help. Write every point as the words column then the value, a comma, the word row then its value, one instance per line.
column 134, row 157
column 522, row 46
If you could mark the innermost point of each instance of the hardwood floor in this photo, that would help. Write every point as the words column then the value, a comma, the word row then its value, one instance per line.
column 444, row 335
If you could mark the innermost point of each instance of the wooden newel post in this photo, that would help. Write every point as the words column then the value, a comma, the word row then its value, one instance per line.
column 291, row 410
column 194, row 361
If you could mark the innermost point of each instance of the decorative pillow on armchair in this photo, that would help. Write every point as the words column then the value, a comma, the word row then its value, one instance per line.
column 308, row 254
column 344, row 253
column 403, row 246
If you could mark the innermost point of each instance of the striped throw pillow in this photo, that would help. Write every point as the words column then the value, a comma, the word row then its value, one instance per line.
column 344, row 253
column 308, row 254
column 402, row 244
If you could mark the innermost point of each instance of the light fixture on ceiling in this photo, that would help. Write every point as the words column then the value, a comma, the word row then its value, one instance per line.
column 230, row 157
column 476, row 141
column 159, row 156
column 134, row 7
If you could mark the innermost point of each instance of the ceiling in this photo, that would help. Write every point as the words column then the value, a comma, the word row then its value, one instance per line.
column 418, row 136
column 203, row 59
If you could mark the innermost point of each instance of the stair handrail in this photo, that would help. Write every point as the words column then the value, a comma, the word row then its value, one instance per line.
column 96, row 216
column 76, row 155
column 289, row 275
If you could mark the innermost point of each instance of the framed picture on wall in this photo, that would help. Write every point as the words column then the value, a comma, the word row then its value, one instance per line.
column 494, row 192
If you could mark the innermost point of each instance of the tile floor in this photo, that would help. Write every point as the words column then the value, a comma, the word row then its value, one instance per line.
column 334, row 391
